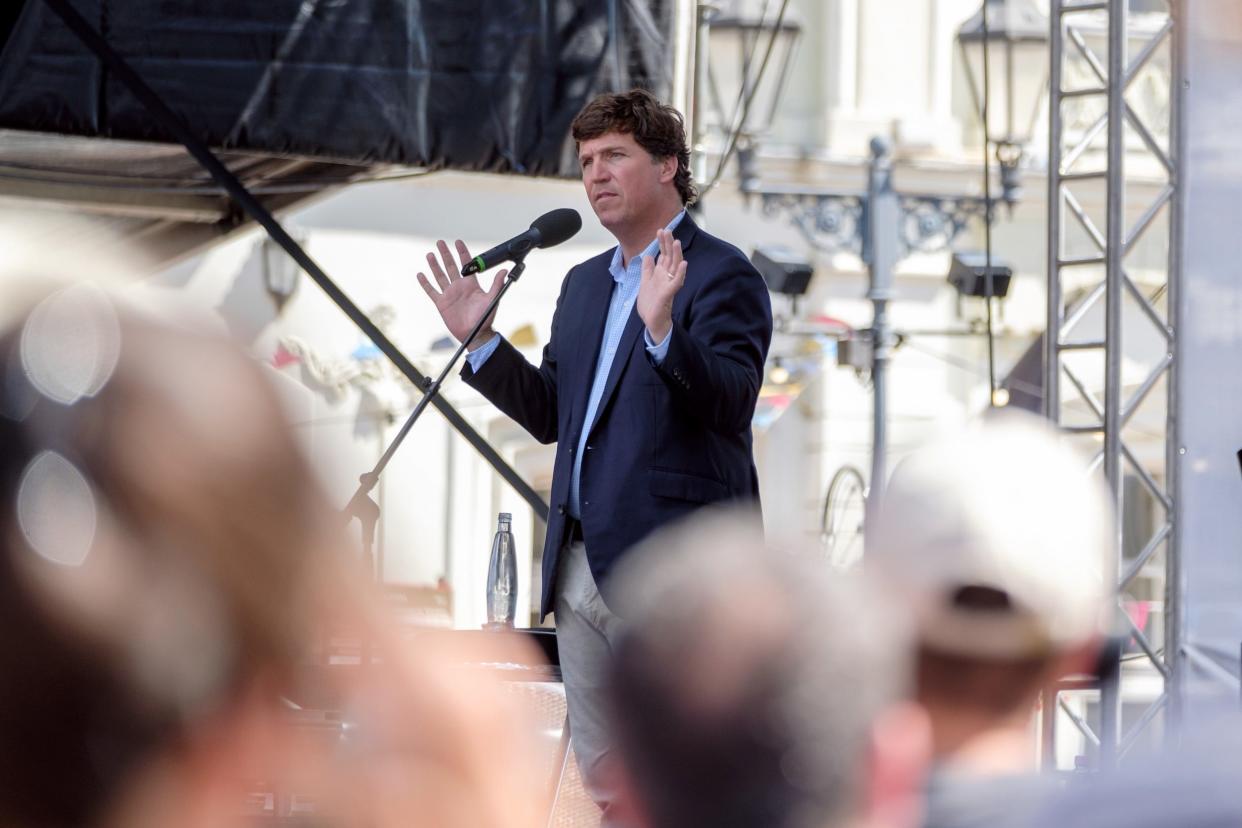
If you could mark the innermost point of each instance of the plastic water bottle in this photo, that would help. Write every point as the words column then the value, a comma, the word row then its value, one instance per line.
column 502, row 577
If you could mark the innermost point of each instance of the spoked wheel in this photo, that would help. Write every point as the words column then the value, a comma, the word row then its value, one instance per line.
column 841, row 526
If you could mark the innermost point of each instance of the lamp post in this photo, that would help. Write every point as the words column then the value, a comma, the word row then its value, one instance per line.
column 743, row 61
column 748, row 64
column 882, row 226
column 1009, row 37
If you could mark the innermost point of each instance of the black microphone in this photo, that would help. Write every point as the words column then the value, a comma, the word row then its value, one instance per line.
column 548, row 230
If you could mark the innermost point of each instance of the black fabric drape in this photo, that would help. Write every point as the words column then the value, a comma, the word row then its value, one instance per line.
column 477, row 85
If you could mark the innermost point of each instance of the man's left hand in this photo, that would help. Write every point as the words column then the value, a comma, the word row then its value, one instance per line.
column 662, row 277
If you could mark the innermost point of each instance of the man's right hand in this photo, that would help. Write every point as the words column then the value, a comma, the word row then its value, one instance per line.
column 460, row 300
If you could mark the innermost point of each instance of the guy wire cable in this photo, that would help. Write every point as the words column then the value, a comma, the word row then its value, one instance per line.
column 988, row 212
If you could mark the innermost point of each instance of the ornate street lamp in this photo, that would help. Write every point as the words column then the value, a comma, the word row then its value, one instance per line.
column 1013, row 34
column 748, row 65
column 742, row 78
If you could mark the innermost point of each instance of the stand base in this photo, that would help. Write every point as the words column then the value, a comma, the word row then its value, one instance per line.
column 498, row 626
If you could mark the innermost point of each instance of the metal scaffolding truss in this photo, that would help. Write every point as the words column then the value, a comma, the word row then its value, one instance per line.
column 1111, row 360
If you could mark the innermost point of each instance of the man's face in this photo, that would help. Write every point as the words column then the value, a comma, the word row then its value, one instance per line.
column 624, row 183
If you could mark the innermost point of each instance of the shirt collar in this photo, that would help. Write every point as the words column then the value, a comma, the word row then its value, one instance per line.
column 615, row 268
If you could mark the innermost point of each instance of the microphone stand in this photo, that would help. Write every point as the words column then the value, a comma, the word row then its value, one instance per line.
column 361, row 506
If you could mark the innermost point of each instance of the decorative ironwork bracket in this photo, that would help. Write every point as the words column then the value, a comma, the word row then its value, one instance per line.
column 830, row 222
column 834, row 222
column 930, row 223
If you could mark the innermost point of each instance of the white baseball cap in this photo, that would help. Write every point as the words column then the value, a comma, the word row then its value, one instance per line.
column 996, row 538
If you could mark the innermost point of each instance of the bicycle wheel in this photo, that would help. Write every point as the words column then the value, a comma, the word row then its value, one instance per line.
column 841, row 524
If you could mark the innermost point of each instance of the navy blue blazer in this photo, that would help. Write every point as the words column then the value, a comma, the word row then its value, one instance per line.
column 666, row 439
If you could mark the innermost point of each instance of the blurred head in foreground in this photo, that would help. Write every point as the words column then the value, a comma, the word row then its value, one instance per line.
column 755, row 689
column 168, row 566
column 996, row 538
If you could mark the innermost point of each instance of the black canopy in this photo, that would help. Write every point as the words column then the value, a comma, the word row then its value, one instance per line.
column 478, row 85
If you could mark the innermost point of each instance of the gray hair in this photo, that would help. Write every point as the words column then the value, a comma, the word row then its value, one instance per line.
column 748, row 679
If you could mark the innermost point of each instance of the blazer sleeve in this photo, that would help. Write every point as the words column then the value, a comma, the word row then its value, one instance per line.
column 717, row 349
column 527, row 394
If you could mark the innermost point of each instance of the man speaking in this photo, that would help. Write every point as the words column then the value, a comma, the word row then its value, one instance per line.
column 648, row 382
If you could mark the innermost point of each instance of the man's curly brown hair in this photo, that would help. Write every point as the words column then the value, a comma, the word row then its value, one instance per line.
column 657, row 127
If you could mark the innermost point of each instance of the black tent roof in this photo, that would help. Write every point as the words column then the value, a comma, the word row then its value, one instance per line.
column 301, row 95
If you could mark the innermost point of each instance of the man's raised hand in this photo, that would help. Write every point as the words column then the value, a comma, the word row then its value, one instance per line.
column 662, row 277
column 460, row 299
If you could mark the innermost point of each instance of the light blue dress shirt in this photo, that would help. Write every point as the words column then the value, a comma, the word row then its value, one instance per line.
column 626, row 280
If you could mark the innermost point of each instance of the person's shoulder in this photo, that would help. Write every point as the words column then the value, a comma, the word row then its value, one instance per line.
column 1196, row 783
column 716, row 245
column 957, row 801
column 599, row 261
column 729, row 256
column 597, row 264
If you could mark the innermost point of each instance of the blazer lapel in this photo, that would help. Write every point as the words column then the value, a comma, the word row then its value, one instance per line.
column 594, row 313
column 625, row 349
column 685, row 232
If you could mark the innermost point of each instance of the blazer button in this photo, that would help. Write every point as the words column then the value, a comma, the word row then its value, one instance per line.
column 560, row 510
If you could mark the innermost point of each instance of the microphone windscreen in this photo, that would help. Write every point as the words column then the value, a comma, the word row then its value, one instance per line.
column 557, row 226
